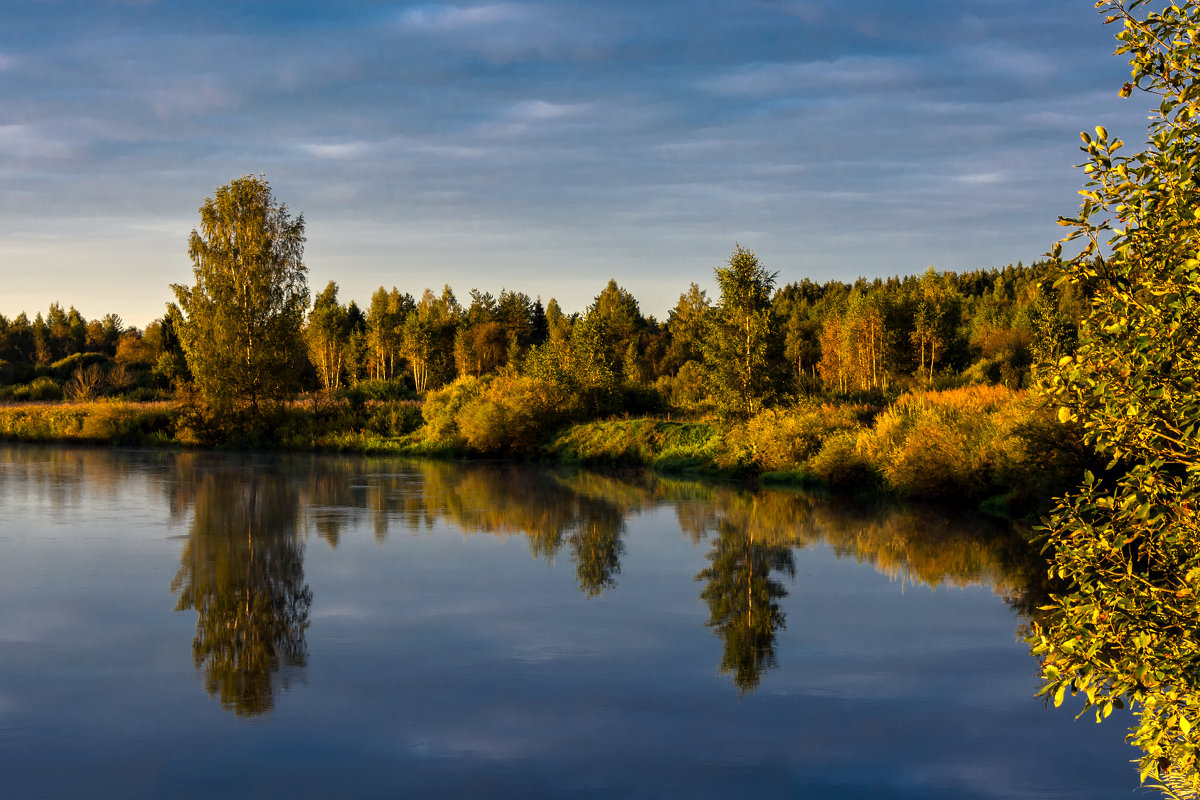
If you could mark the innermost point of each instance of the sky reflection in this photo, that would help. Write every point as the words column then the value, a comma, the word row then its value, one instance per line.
column 453, row 658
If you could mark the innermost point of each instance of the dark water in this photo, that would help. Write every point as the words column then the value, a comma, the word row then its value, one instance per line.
column 179, row 625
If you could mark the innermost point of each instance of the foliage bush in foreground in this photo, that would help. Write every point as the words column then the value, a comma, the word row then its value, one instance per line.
column 1123, row 627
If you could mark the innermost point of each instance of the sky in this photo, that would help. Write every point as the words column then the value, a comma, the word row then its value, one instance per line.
column 544, row 146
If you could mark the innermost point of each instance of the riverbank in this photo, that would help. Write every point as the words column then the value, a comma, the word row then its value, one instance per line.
column 980, row 445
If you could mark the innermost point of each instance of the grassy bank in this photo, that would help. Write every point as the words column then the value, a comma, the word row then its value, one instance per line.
column 978, row 445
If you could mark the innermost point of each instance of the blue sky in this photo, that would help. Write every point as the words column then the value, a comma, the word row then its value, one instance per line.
column 544, row 145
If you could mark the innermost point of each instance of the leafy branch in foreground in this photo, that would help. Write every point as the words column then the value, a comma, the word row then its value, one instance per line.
column 1127, row 547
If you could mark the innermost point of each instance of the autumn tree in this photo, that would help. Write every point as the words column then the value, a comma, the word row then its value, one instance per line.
column 242, row 320
column 936, row 321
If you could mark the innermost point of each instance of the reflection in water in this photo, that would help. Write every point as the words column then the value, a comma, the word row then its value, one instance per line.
column 743, row 601
column 242, row 571
column 242, row 567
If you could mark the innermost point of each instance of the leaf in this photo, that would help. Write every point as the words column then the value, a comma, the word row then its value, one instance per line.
column 1058, row 695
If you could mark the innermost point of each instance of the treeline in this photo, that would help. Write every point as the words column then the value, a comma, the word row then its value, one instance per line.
column 880, row 337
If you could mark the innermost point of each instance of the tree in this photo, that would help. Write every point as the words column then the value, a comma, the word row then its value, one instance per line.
column 241, row 326
column 1125, row 626
column 428, row 339
column 936, row 321
column 385, row 327
column 328, row 334
column 740, row 343
column 686, row 324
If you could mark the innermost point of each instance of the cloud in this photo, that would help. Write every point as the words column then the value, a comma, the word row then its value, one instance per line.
column 452, row 18
column 864, row 73
column 186, row 96
column 982, row 178
column 335, row 151
column 30, row 142
column 542, row 111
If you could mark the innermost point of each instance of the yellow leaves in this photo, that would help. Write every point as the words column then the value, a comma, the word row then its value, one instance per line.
column 1065, row 415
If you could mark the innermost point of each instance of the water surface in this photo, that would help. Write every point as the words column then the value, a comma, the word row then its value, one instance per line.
column 201, row 624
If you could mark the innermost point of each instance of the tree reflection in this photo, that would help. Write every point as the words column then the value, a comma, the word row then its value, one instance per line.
column 597, row 548
column 242, row 571
column 743, row 602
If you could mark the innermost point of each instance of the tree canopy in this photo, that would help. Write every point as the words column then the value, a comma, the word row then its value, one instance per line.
column 740, row 337
column 242, row 320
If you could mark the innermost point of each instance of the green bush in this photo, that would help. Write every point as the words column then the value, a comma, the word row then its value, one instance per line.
column 393, row 419
column 514, row 413
column 40, row 389
column 65, row 367
column 443, row 408
column 378, row 390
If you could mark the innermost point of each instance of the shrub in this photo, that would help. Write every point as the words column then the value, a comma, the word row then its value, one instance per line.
column 43, row 388
column 687, row 389
column 840, row 463
column 66, row 367
column 379, row 390
column 443, row 407
column 783, row 439
column 940, row 444
column 127, row 424
column 393, row 419
column 513, row 413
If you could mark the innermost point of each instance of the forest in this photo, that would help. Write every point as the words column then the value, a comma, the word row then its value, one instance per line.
column 913, row 384
column 869, row 339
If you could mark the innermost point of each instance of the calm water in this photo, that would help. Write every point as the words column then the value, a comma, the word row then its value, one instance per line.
column 216, row 625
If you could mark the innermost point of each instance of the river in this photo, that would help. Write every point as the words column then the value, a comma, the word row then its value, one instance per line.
column 206, row 624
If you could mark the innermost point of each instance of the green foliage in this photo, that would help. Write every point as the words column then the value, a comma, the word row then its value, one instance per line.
column 743, row 601
column 397, row 389
column 328, row 335
column 665, row 446
column 687, row 389
column 1123, row 626
column 740, row 345
column 241, row 325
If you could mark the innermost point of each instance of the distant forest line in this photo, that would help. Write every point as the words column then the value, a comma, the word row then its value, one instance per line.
column 872, row 337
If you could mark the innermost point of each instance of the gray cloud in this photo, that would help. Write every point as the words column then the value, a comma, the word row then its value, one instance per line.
column 546, row 146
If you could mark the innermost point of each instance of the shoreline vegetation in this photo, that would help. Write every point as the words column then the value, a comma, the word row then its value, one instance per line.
column 923, row 386
column 983, row 446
